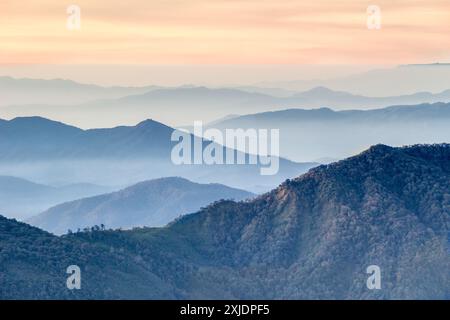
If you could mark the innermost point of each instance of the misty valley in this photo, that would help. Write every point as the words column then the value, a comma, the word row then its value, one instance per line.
column 265, row 191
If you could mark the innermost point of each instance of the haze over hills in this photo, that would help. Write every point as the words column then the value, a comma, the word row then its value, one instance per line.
column 151, row 203
column 20, row 198
column 311, row 238
column 53, row 153
column 224, row 150
column 16, row 91
column 183, row 105
column 370, row 81
column 325, row 133
column 397, row 81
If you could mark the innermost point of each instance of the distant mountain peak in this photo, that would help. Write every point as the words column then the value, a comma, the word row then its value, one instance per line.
column 33, row 121
column 320, row 89
column 152, row 125
column 148, row 122
column 147, row 203
column 324, row 93
column 31, row 118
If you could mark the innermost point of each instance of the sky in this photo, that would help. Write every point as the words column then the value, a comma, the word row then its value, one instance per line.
column 223, row 32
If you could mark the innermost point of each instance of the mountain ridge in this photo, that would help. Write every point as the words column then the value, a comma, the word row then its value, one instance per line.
column 207, row 104
column 142, row 204
column 327, row 133
column 49, row 151
column 311, row 238
column 22, row 198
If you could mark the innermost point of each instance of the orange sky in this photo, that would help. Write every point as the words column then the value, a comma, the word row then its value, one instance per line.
column 224, row 32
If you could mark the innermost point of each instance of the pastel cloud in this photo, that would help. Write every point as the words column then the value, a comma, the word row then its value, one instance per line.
column 225, row 31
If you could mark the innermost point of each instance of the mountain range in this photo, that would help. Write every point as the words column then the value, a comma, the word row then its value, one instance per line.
column 20, row 198
column 326, row 133
column 59, row 91
column 391, row 81
column 54, row 153
column 178, row 106
column 144, row 204
column 313, row 237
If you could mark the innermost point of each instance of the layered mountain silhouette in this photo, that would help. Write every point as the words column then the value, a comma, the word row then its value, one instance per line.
column 311, row 238
column 21, row 198
column 151, row 203
column 180, row 105
column 59, row 91
column 326, row 133
column 54, row 153
column 36, row 138
column 400, row 80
